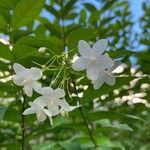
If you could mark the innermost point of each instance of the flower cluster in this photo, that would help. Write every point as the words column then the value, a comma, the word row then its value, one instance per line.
column 98, row 66
column 51, row 102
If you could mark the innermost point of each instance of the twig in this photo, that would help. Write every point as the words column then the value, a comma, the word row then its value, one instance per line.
column 74, row 84
column 83, row 117
column 22, row 125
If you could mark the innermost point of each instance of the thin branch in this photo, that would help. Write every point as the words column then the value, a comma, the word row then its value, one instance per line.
column 63, row 24
column 22, row 125
column 83, row 117
column 78, row 99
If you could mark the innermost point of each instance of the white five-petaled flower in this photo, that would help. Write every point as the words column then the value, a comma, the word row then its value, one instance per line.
column 92, row 59
column 50, row 103
column 38, row 109
column 53, row 100
column 27, row 78
column 106, row 76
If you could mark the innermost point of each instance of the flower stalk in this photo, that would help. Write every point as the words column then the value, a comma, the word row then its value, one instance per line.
column 22, row 122
column 83, row 117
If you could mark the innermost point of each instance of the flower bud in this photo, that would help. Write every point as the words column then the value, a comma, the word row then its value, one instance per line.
column 42, row 49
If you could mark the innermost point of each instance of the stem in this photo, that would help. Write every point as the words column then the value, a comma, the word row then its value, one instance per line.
column 83, row 117
column 63, row 24
column 22, row 125
column 74, row 84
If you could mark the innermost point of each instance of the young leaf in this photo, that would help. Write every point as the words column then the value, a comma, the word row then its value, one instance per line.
column 5, row 52
column 25, row 12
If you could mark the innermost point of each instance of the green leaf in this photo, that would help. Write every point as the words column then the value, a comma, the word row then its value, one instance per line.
column 25, row 12
column 4, row 66
column 121, row 53
column 52, row 10
column 90, row 7
column 5, row 52
column 8, row 87
column 12, row 114
column 2, row 112
column 68, row 7
column 82, row 16
column 90, row 93
column 122, row 127
column 17, row 34
column 108, row 5
column 79, row 34
column 40, row 32
column 8, row 4
column 48, row 145
column 72, row 16
column 102, row 115
column 28, row 46
column 68, row 145
column 54, row 29
column 3, row 23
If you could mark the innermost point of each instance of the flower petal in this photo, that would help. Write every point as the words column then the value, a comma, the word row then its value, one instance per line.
column 19, row 68
column 18, row 80
column 110, row 79
column 37, row 87
column 116, row 64
column 80, row 64
column 99, row 82
column 54, row 109
column 64, row 105
column 46, row 91
column 41, row 116
column 48, row 113
column 74, row 107
column 36, row 72
column 84, row 48
column 59, row 93
column 28, row 90
column 93, row 71
column 28, row 111
column 99, row 47
column 105, row 62
column 41, row 101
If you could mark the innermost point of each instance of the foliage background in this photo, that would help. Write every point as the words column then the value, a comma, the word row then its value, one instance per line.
column 118, row 115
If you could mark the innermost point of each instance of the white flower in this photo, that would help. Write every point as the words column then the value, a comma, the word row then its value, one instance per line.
column 39, row 110
column 42, row 49
column 92, row 59
column 52, row 100
column 106, row 76
column 65, row 107
column 27, row 78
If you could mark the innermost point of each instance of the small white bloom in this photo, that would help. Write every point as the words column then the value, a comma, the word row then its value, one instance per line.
column 42, row 49
column 39, row 110
column 65, row 107
column 106, row 76
column 92, row 59
column 52, row 99
column 27, row 78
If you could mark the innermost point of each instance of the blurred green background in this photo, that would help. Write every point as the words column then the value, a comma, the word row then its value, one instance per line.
column 119, row 115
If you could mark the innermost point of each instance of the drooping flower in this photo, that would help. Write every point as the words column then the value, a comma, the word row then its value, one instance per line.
column 106, row 76
column 52, row 100
column 92, row 59
column 65, row 107
column 38, row 109
column 27, row 78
